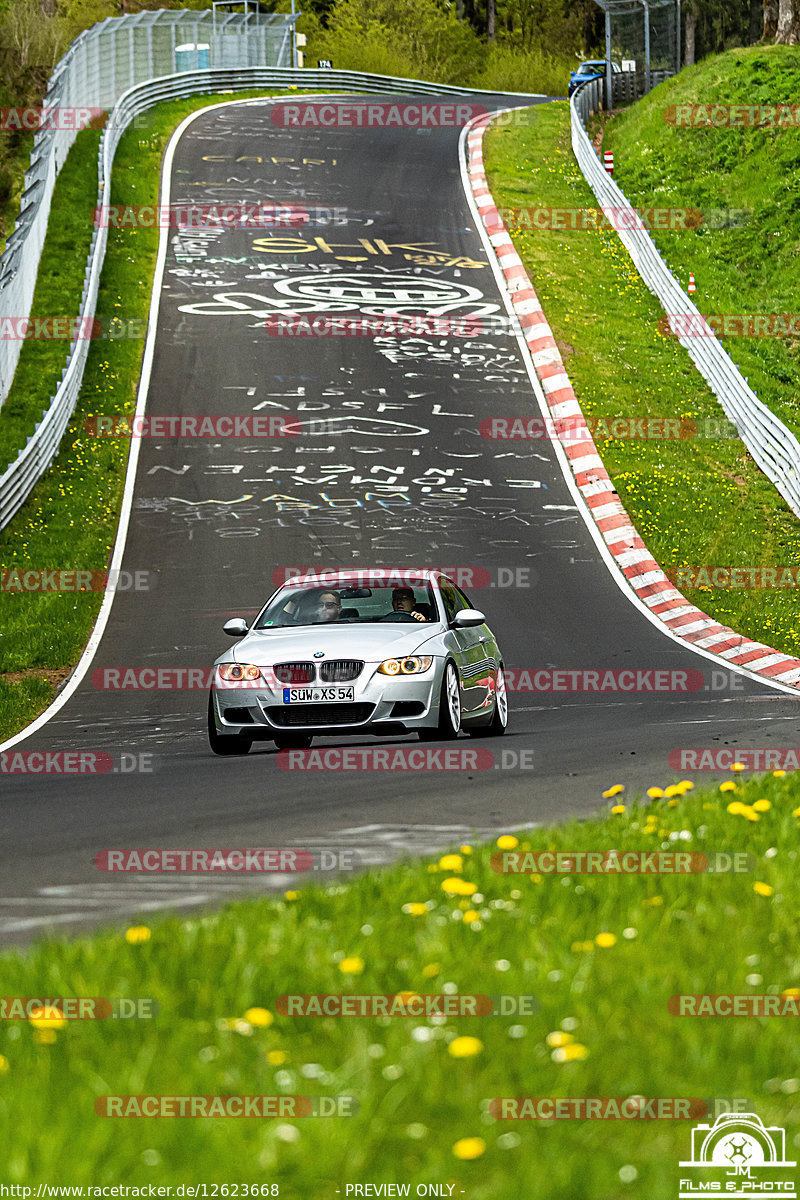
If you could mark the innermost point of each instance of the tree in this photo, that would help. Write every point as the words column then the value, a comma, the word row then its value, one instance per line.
column 788, row 33
column 770, row 20
column 35, row 38
column 691, row 21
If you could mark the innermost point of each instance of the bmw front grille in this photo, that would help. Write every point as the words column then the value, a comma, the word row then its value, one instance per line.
column 341, row 670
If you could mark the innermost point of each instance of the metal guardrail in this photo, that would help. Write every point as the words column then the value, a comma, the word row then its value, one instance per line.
column 98, row 68
column 23, row 474
column 774, row 448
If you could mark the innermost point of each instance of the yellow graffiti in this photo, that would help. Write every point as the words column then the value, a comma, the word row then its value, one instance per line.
column 416, row 252
column 257, row 158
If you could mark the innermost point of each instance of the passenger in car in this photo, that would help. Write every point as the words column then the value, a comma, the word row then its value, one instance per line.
column 328, row 607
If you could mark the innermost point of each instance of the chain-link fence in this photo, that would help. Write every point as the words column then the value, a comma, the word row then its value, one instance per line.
column 100, row 65
column 642, row 37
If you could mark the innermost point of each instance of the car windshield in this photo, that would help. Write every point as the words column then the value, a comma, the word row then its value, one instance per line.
column 591, row 68
column 348, row 605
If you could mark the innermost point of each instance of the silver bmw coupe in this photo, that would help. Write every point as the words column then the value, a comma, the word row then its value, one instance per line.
column 354, row 652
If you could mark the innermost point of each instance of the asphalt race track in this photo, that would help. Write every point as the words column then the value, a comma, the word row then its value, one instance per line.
column 396, row 473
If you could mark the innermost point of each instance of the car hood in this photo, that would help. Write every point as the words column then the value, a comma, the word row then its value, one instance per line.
column 372, row 643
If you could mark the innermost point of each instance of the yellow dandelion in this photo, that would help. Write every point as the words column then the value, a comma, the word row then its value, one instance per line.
column 507, row 841
column 137, row 934
column 291, row 895
column 5, row 1065
column 728, row 786
column 276, row 1058
column 471, row 915
column 469, row 1148
column 458, row 887
column 606, row 939
column 47, row 1016
column 655, row 793
column 451, row 862
column 571, row 1053
column 465, row 1047
column 431, row 970
column 465, row 849
column 415, row 908
column 614, row 790
column 737, row 766
column 791, row 991
column 778, row 774
column 559, row 1038
column 261, row 1017
column 762, row 889
column 617, row 809
column 736, row 808
column 674, row 789
column 762, row 806
column 351, row 966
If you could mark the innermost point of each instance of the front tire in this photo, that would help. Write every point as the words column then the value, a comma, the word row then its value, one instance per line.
column 449, row 709
column 499, row 723
column 225, row 747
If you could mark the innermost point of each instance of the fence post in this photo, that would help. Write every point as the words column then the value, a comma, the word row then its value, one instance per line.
column 646, row 7
column 609, row 96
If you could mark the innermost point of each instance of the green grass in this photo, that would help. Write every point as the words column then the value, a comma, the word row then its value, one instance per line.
column 70, row 520
column 696, row 501
column 534, row 935
column 752, row 269
column 58, row 294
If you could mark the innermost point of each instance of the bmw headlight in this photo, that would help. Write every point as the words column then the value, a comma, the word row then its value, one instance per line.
column 414, row 665
column 239, row 672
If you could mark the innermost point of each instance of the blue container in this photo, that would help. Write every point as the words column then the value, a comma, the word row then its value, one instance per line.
column 192, row 57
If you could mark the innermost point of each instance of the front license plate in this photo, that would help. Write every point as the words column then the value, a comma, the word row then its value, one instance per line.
column 314, row 695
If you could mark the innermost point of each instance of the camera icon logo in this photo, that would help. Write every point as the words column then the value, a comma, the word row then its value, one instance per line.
column 740, row 1142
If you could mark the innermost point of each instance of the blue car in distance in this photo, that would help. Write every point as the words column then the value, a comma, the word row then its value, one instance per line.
column 594, row 69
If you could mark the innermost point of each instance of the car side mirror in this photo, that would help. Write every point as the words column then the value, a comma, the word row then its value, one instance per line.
column 235, row 628
column 468, row 618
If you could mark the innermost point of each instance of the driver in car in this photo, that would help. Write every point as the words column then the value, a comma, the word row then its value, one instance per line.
column 403, row 601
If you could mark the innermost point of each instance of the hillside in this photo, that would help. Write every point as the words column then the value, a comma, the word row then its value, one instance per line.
column 753, row 265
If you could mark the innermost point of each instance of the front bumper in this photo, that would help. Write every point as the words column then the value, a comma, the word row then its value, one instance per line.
column 380, row 704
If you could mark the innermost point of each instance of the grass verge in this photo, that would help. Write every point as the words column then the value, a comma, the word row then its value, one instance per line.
column 59, row 284
column 751, row 266
column 602, row 954
column 694, row 501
